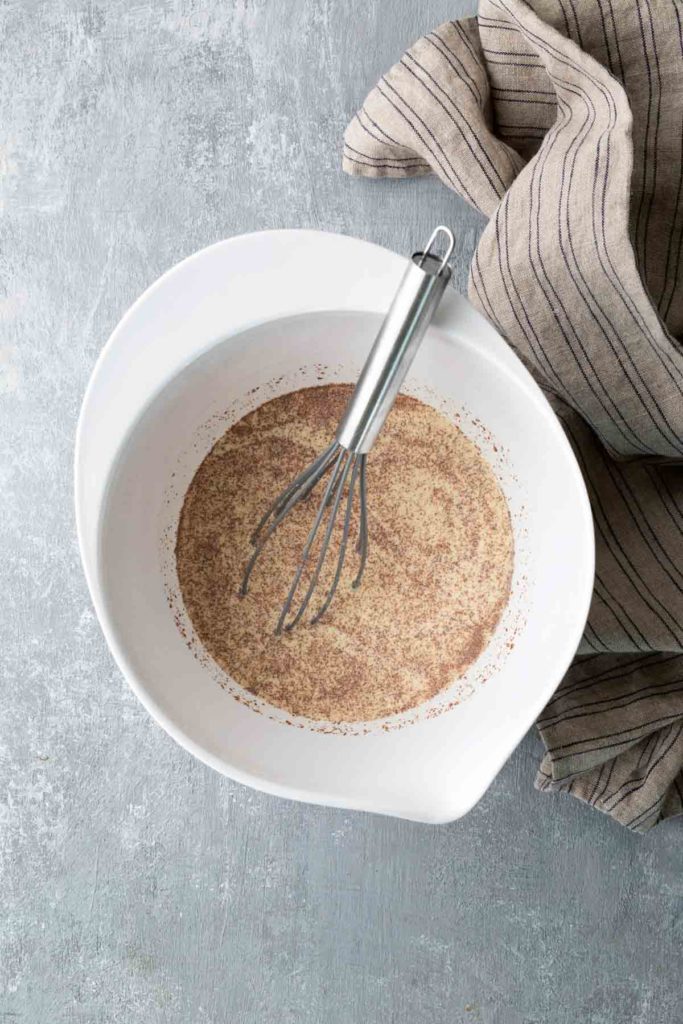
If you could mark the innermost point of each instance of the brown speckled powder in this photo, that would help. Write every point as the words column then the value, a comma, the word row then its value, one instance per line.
column 437, row 578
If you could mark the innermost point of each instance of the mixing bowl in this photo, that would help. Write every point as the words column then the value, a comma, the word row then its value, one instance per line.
column 243, row 321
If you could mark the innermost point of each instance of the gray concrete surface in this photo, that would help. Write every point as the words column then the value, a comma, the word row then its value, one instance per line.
column 137, row 886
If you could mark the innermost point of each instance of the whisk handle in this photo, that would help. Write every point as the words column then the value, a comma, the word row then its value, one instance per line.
column 395, row 346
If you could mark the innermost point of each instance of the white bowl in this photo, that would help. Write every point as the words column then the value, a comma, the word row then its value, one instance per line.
column 275, row 311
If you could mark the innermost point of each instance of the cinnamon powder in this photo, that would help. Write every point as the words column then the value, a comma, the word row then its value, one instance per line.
column 436, row 582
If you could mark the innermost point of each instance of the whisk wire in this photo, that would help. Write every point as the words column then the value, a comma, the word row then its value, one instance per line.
column 310, row 541
column 362, row 546
column 343, row 464
column 340, row 473
column 355, row 462
column 310, row 476
column 297, row 491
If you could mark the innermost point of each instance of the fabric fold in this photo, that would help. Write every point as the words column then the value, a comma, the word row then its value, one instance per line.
column 563, row 123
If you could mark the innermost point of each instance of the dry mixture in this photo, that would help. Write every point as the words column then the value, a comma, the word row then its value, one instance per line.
column 436, row 583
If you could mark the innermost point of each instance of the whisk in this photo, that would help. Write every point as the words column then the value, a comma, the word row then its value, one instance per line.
column 402, row 330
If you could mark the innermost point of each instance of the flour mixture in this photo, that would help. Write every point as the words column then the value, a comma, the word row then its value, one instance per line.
column 436, row 583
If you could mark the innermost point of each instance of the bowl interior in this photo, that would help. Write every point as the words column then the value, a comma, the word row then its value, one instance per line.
column 437, row 764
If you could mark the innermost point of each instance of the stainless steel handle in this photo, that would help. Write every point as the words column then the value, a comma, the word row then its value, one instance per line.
column 404, row 327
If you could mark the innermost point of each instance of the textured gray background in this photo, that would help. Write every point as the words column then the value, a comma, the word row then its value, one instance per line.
column 137, row 885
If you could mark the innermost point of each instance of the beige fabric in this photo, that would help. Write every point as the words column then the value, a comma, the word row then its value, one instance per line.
column 563, row 122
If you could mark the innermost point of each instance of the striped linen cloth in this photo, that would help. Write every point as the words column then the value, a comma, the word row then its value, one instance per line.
column 562, row 121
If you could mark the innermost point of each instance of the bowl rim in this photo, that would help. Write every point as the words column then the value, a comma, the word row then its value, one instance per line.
column 452, row 306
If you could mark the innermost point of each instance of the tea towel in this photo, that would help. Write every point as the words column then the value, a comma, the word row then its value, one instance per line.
column 562, row 121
